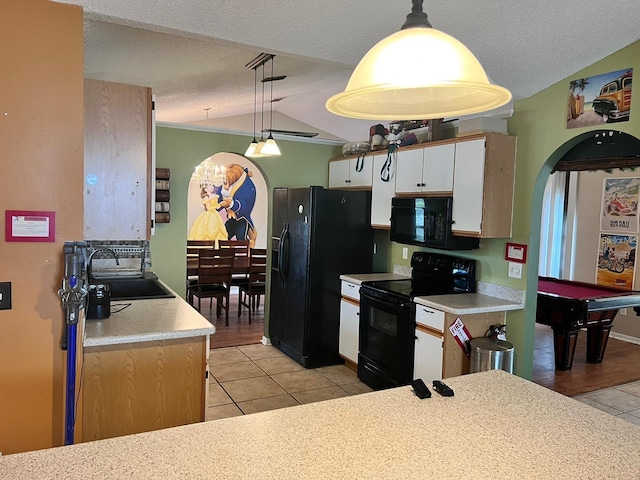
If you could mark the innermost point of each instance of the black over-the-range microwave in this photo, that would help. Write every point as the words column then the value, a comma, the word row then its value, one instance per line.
column 426, row 221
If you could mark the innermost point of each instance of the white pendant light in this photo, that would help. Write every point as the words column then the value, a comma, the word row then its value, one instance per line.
column 418, row 73
column 251, row 149
column 271, row 147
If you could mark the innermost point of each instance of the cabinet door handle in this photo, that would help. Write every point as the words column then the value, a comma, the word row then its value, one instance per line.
column 417, row 185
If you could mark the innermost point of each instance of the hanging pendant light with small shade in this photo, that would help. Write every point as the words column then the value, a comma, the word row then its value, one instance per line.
column 418, row 73
column 271, row 147
column 251, row 149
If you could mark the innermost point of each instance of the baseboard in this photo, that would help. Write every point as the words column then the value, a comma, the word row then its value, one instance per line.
column 265, row 341
column 625, row 338
column 350, row 364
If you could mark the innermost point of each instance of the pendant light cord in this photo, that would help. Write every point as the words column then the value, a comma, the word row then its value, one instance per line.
column 255, row 99
column 262, row 107
column 271, row 101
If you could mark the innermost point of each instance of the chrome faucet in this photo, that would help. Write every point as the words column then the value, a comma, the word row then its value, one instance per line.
column 90, row 261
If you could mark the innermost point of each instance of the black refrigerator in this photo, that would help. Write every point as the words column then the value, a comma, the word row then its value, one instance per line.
column 317, row 235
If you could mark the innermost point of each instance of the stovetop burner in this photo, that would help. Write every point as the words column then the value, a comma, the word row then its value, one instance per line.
column 432, row 274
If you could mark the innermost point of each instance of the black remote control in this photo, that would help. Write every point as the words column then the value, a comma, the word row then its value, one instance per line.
column 420, row 388
column 442, row 388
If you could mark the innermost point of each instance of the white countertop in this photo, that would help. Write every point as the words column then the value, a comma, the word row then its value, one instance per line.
column 496, row 426
column 467, row 303
column 145, row 321
column 358, row 278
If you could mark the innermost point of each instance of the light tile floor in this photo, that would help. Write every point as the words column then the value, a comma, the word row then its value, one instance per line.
column 622, row 401
column 255, row 378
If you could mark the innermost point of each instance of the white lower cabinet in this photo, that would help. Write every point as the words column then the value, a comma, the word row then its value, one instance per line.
column 437, row 353
column 428, row 354
column 349, row 330
column 348, row 347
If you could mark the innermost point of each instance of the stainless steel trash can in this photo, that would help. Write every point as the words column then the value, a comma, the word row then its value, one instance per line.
column 491, row 354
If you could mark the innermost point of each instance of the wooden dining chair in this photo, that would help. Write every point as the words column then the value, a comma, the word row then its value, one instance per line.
column 249, row 293
column 214, row 279
column 193, row 247
column 241, row 259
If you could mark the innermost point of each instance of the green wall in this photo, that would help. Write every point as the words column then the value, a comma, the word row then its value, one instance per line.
column 301, row 164
column 539, row 122
column 540, row 125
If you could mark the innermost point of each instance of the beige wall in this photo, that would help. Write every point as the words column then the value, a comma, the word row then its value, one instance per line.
column 41, row 145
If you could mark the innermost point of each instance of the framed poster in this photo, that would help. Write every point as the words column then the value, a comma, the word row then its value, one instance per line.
column 616, row 260
column 620, row 205
column 600, row 99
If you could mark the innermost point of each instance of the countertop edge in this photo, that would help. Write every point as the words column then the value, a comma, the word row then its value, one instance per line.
column 358, row 278
column 468, row 303
column 148, row 320
column 151, row 337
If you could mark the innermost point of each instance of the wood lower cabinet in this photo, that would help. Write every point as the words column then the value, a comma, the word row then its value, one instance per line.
column 139, row 387
column 436, row 349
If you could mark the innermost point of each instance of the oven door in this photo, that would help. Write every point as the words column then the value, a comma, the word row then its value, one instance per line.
column 387, row 336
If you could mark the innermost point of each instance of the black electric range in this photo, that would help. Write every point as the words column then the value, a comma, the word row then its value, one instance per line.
column 387, row 315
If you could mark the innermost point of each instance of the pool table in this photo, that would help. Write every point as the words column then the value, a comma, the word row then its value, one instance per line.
column 568, row 306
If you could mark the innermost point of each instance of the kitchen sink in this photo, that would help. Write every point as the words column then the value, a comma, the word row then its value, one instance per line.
column 137, row 289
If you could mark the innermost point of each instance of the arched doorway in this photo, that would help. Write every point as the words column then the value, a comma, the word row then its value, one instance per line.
column 571, row 222
column 227, row 199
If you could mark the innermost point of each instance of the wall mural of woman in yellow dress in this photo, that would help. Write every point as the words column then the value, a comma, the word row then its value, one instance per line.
column 234, row 207
column 209, row 225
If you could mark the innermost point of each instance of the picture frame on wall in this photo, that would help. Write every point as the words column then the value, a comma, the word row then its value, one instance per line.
column 619, row 211
column 600, row 99
column 616, row 261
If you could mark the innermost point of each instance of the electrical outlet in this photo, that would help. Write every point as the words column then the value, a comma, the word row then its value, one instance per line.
column 622, row 311
column 515, row 270
column 5, row 295
column 405, row 252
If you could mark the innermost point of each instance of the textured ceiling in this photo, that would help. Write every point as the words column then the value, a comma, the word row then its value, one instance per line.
column 192, row 53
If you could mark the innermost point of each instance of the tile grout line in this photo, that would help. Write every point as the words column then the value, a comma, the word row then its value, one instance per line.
column 290, row 394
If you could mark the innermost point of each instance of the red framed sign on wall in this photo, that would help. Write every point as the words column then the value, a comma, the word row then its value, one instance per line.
column 516, row 252
column 29, row 226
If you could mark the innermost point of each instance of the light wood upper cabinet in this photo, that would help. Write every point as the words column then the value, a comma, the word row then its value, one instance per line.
column 426, row 170
column 483, row 186
column 353, row 172
column 117, row 161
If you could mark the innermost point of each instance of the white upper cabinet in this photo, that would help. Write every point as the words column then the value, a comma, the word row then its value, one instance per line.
column 426, row 170
column 483, row 186
column 409, row 171
column 384, row 184
column 351, row 172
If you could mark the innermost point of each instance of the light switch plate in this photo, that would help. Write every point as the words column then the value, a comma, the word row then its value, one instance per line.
column 5, row 295
column 515, row 270
column 405, row 252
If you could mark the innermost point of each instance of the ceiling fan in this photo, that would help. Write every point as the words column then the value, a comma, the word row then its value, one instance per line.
column 292, row 133
column 254, row 64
